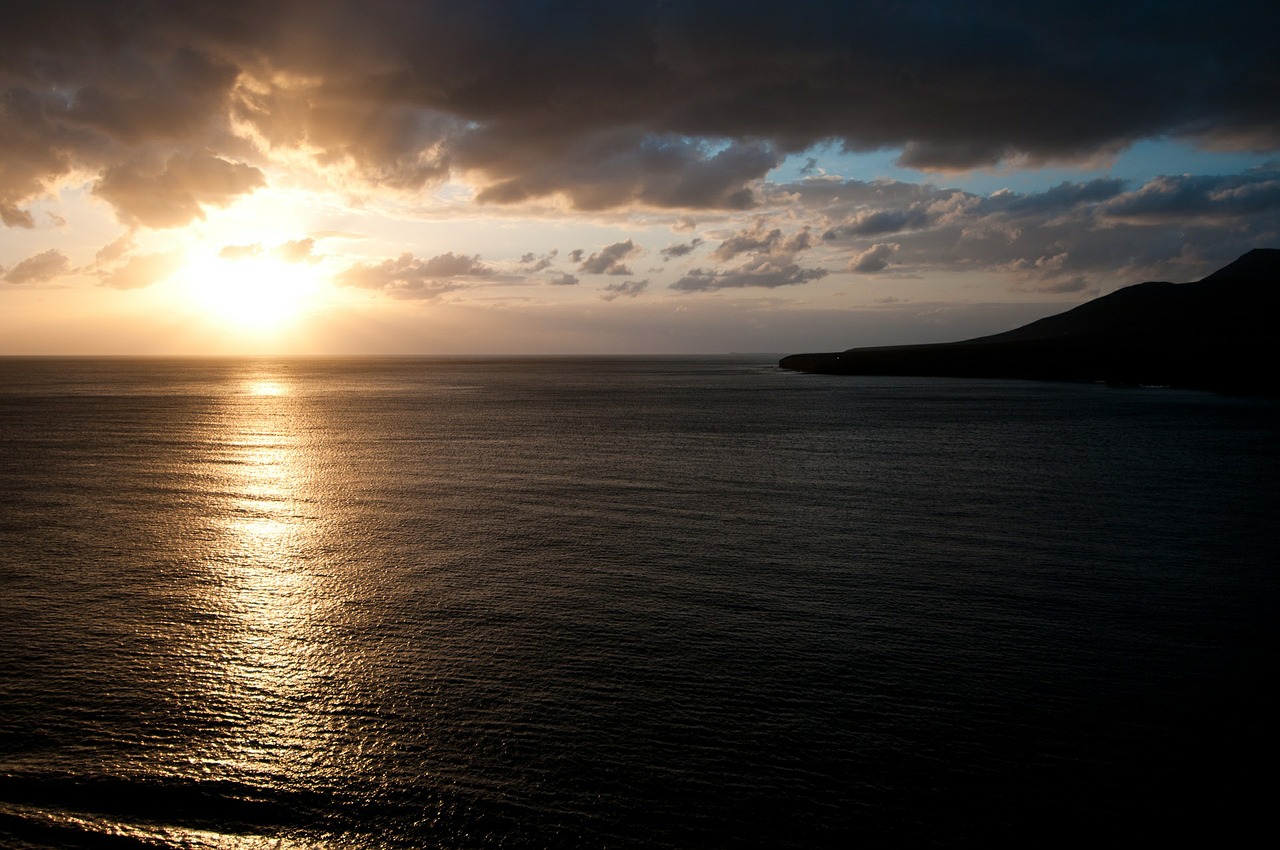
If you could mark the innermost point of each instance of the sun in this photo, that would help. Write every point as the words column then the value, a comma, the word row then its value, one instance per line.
column 255, row 293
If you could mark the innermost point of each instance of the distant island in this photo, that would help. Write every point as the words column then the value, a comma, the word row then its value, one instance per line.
column 1216, row 334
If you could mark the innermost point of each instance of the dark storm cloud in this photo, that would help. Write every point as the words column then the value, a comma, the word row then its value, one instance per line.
column 610, row 259
column 611, row 169
column 681, row 105
column 39, row 268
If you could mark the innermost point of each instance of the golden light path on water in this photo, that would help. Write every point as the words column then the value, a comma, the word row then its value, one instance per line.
column 271, row 673
column 259, row 665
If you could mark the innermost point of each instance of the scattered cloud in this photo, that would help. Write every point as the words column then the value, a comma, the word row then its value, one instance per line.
column 681, row 249
column 535, row 263
column 409, row 278
column 757, row 240
column 764, row 273
column 115, row 250
column 610, row 259
column 39, row 268
column 624, row 288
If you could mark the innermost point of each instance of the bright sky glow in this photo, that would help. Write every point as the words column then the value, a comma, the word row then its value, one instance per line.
column 363, row 182
column 256, row 293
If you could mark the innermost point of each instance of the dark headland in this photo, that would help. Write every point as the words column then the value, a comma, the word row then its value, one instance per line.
column 1217, row 334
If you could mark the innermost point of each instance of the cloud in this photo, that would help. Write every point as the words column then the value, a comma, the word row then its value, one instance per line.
column 627, row 288
column 771, row 263
column 14, row 217
column 39, row 268
column 175, row 193
column 764, row 273
column 681, row 249
column 610, row 259
column 678, row 106
column 1187, row 197
column 170, row 96
column 880, row 222
column 296, row 250
column 686, row 107
column 759, row 241
column 534, row 263
column 144, row 270
column 1064, row 196
column 1172, row 228
column 613, row 168
column 564, row 279
column 398, row 145
column 240, row 252
column 115, row 250
column 874, row 259
column 409, row 278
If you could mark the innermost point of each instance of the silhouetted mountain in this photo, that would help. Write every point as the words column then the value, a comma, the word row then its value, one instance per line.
column 1216, row 334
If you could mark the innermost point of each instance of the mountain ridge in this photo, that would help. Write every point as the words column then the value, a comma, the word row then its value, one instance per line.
column 1213, row 334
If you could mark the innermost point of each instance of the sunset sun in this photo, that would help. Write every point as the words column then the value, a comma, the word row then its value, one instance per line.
column 255, row 293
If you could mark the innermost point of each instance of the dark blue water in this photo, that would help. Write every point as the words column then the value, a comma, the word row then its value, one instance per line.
column 625, row 603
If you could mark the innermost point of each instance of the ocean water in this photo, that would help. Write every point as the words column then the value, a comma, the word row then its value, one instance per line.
column 626, row 603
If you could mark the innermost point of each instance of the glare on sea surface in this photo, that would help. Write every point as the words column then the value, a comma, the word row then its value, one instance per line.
column 269, row 599
column 266, row 388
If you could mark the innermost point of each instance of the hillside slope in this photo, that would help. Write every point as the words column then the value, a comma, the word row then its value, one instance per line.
column 1216, row 334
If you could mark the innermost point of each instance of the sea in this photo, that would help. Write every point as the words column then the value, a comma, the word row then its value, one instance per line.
column 627, row 603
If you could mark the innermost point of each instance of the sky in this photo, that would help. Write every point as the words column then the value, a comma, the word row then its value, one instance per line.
column 521, row 177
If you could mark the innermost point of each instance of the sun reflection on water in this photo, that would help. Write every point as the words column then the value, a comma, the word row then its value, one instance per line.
column 259, row 387
column 273, row 672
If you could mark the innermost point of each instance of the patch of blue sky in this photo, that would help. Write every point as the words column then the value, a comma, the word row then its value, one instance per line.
column 1137, row 164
